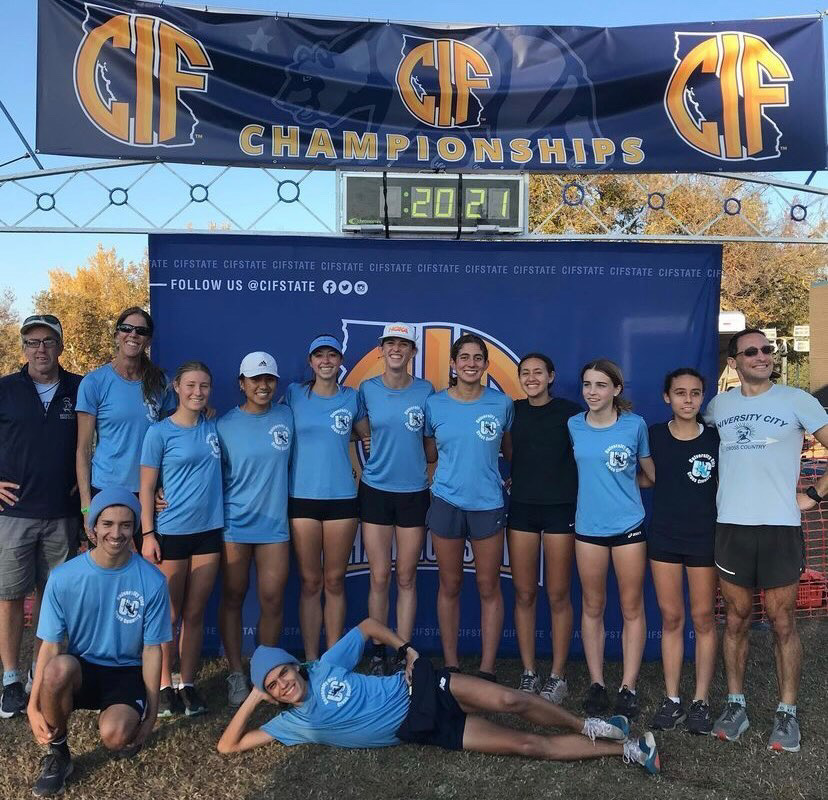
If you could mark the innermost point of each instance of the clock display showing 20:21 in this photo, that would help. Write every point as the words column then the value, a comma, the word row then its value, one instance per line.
column 434, row 203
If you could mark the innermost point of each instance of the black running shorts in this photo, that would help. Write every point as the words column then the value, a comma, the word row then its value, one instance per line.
column 759, row 556
column 104, row 686
column 403, row 509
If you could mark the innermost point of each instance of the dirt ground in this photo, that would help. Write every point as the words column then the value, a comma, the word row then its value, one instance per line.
column 181, row 761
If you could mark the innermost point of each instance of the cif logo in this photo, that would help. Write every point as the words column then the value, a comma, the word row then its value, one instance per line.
column 720, row 92
column 436, row 79
column 431, row 361
column 132, row 72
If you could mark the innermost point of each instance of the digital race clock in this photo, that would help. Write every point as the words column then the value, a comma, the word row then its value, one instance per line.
column 408, row 202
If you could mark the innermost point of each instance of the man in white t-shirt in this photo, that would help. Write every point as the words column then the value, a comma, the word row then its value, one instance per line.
column 759, row 540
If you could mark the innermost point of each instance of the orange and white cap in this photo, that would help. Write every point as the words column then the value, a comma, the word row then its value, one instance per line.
column 399, row 330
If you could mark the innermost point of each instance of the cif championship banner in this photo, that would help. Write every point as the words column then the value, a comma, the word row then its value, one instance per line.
column 126, row 79
column 651, row 308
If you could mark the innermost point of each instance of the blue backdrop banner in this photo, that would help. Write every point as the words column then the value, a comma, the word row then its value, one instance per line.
column 128, row 79
column 651, row 308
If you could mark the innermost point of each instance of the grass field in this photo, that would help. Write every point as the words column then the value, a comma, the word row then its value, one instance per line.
column 180, row 760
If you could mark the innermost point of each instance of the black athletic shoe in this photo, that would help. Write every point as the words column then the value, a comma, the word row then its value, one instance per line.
column 596, row 701
column 668, row 716
column 168, row 702
column 55, row 768
column 192, row 702
column 626, row 703
column 13, row 701
column 699, row 719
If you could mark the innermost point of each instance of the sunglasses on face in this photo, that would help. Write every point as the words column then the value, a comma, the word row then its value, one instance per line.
column 750, row 352
column 141, row 330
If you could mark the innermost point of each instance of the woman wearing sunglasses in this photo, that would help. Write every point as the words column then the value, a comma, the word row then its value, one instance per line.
column 118, row 402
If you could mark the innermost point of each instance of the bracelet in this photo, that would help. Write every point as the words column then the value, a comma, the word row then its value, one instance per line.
column 147, row 533
column 85, row 510
column 814, row 495
column 402, row 650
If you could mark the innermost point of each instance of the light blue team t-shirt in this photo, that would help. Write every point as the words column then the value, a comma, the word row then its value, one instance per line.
column 468, row 439
column 397, row 462
column 320, row 468
column 190, row 463
column 122, row 417
column 759, row 453
column 255, row 453
column 108, row 615
column 343, row 708
column 609, row 500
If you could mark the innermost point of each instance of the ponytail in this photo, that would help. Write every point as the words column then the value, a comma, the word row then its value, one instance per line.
column 153, row 380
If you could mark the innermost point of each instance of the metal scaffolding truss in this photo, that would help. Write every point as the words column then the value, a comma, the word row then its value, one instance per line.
column 109, row 197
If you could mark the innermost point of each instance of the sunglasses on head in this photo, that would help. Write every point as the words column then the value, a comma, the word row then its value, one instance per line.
column 141, row 330
column 750, row 352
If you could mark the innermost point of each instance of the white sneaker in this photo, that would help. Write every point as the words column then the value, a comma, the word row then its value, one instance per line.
column 237, row 688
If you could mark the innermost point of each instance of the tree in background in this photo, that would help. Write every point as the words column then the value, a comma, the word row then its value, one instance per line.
column 11, row 356
column 767, row 282
column 89, row 301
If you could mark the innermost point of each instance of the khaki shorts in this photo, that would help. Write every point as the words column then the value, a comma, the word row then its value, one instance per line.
column 30, row 549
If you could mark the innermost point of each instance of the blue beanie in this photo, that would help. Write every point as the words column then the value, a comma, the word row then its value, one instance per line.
column 113, row 496
column 264, row 660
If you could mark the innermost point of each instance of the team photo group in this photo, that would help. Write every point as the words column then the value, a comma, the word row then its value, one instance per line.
column 173, row 498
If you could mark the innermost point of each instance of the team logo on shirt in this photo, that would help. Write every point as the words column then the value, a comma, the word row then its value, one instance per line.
column 488, row 426
column 701, row 469
column 335, row 691
column 153, row 409
column 213, row 440
column 128, row 605
column 341, row 421
column 67, row 410
column 414, row 418
column 281, row 436
column 744, row 434
column 618, row 457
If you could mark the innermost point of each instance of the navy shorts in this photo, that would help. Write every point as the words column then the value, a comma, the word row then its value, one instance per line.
column 450, row 522
column 631, row 537
column 323, row 510
column 403, row 509
column 434, row 716
column 178, row 546
column 671, row 557
column 104, row 686
column 542, row 518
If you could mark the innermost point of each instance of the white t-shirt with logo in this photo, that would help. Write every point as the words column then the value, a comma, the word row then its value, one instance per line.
column 759, row 455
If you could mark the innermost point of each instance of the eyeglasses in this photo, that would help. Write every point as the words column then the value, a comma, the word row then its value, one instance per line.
column 34, row 344
column 141, row 330
column 750, row 352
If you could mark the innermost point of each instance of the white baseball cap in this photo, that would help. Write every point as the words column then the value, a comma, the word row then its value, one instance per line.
column 399, row 330
column 258, row 363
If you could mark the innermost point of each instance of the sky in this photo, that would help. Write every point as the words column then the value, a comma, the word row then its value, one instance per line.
column 25, row 259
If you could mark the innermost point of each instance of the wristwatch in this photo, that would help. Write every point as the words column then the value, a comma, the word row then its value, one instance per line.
column 814, row 495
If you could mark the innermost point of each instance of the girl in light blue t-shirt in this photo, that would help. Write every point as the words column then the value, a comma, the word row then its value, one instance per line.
column 322, row 506
column 610, row 443
column 393, row 490
column 184, row 540
column 256, row 440
column 470, row 425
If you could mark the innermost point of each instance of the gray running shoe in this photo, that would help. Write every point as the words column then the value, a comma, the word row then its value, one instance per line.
column 529, row 682
column 732, row 723
column 668, row 716
column 555, row 690
column 617, row 729
column 785, row 733
column 237, row 689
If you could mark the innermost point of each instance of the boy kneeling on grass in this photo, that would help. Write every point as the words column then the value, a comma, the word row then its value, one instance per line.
column 326, row 702
column 114, row 609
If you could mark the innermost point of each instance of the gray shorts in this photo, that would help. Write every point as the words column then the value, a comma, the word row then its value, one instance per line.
column 30, row 549
column 450, row 522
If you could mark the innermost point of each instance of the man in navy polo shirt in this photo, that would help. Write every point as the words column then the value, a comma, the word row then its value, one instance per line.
column 39, row 507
